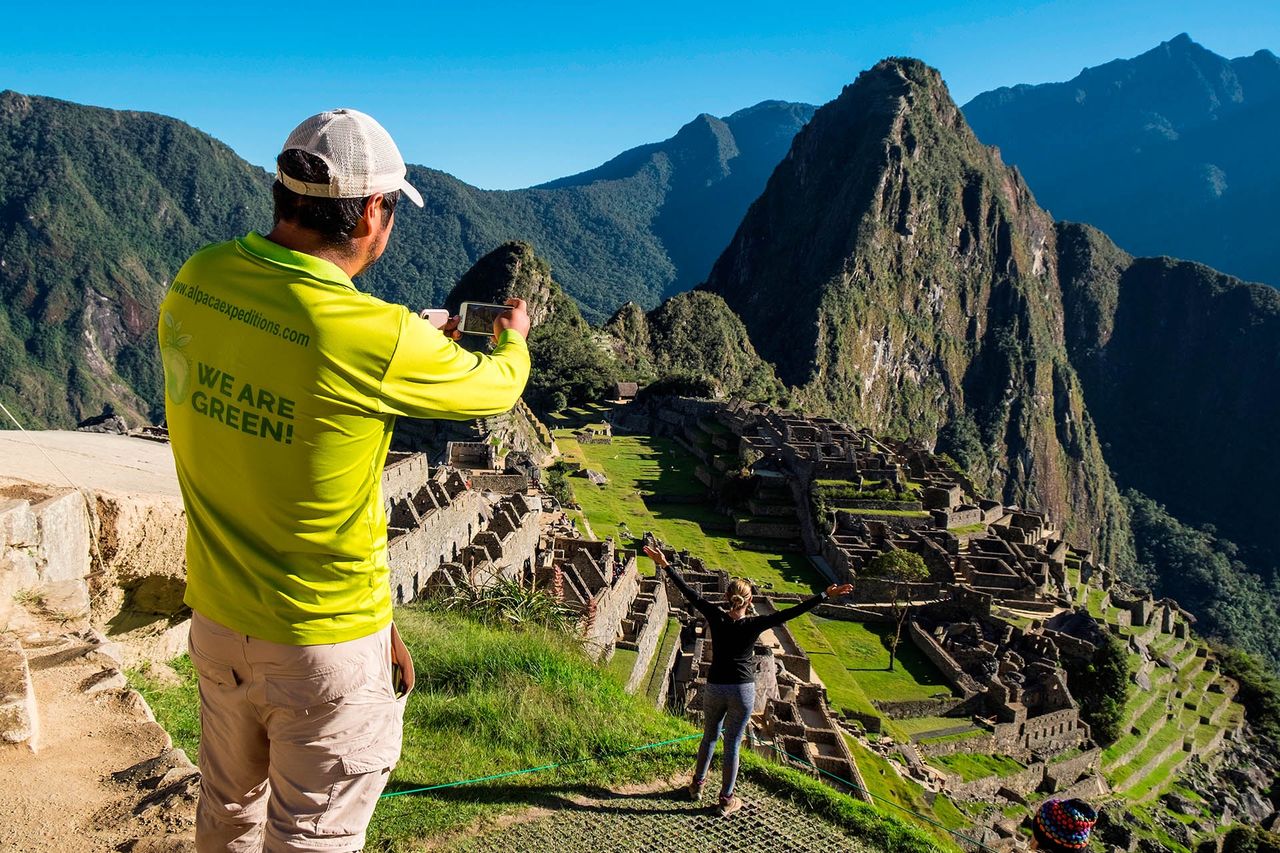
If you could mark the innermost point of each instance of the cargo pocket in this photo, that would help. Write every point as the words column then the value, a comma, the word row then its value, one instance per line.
column 361, row 775
column 382, row 754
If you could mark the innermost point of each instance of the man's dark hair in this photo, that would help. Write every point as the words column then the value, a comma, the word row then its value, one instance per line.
column 334, row 219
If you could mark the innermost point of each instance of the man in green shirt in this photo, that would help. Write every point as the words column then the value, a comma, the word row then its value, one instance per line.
column 282, row 385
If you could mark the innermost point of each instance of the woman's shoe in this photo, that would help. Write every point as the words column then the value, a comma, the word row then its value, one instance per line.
column 729, row 806
column 695, row 790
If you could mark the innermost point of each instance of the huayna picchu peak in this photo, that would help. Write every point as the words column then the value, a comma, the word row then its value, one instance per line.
column 902, row 276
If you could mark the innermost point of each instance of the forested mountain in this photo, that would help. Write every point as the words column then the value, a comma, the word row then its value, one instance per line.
column 691, row 339
column 1169, row 153
column 1181, row 371
column 902, row 277
column 646, row 224
column 98, row 209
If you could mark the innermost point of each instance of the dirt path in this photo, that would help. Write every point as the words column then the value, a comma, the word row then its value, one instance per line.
column 70, row 795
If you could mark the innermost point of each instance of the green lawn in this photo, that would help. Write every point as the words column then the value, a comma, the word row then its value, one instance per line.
column 919, row 725
column 890, row 789
column 898, row 513
column 969, row 766
column 852, row 660
column 644, row 474
column 861, row 647
column 621, row 664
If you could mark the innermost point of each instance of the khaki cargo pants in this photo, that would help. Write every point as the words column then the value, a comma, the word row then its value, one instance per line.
column 297, row 742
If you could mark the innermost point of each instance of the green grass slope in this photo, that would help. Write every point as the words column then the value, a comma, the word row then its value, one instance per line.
column 492, row 700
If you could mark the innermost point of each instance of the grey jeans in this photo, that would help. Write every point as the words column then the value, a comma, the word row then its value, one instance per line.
column 728, row 706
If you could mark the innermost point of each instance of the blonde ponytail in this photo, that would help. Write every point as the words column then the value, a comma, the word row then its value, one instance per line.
column 739, row 593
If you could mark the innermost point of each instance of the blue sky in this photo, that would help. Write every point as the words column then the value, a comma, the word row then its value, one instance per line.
column 506, row 95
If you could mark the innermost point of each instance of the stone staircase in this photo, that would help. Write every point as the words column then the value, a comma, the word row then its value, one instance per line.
column 83, row 764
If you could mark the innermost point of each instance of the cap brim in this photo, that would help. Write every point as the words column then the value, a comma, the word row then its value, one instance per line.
column 409, row 190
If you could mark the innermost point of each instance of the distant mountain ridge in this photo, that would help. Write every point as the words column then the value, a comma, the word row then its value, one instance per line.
column 1169, row 153
column 99, row 208
column 644, row 225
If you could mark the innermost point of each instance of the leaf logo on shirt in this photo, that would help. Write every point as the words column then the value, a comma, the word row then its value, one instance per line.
column 177, row 370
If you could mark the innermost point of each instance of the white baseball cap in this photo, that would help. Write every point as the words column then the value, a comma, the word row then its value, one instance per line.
column 360, row 154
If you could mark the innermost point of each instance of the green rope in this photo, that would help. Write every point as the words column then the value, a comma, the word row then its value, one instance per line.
column 843, row 781
column 540, row 768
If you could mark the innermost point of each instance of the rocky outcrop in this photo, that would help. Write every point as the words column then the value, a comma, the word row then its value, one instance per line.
column 903, row 277
column 112, row 551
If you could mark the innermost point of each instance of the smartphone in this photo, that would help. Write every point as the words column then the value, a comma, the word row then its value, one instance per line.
column 435, row 316
column 478, row 317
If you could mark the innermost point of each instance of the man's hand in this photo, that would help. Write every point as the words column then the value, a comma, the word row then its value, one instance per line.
column 450, row 328
column 838, row 590
column 515, row 317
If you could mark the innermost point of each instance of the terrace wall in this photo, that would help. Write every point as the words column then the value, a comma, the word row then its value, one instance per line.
column 646, row 644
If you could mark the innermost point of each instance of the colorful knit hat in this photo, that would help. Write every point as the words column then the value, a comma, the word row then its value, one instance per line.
column 1065, row 823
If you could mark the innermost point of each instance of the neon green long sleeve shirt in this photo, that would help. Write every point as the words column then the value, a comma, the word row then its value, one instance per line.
column 282, row 385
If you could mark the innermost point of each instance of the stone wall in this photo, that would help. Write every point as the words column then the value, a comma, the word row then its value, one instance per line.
column 503, row 484
column 980, row 743
column 906, row 709
column 1065, row 773
column 404, row 474
column 608, row 608
column 439, row 535
column 767, row 529
column 946, row 664
column 1022, row 783
column 655, row 622
column 45, row 542
column 1054, row 732
column 851, row 613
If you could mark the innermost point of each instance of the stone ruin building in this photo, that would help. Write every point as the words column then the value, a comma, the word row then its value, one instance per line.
column 447, row 529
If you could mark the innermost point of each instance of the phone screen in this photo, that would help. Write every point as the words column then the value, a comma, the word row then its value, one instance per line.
column 478, row 317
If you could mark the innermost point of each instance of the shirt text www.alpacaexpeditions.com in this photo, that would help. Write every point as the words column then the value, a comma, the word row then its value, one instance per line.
column 242, row 406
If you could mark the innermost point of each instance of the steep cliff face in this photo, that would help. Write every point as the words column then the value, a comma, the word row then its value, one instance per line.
column 1181, row 368
column 902, row 276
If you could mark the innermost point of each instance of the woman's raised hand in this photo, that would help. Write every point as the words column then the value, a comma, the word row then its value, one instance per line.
column 658, row 557
column 836, row 590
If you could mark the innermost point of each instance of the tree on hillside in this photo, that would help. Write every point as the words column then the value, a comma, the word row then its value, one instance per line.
column 899, row 568
column 1205, row 574
column 1101, row 686
column 1251, row 839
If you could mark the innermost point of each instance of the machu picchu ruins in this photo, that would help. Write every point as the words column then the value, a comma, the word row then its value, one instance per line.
column 1008, row 605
